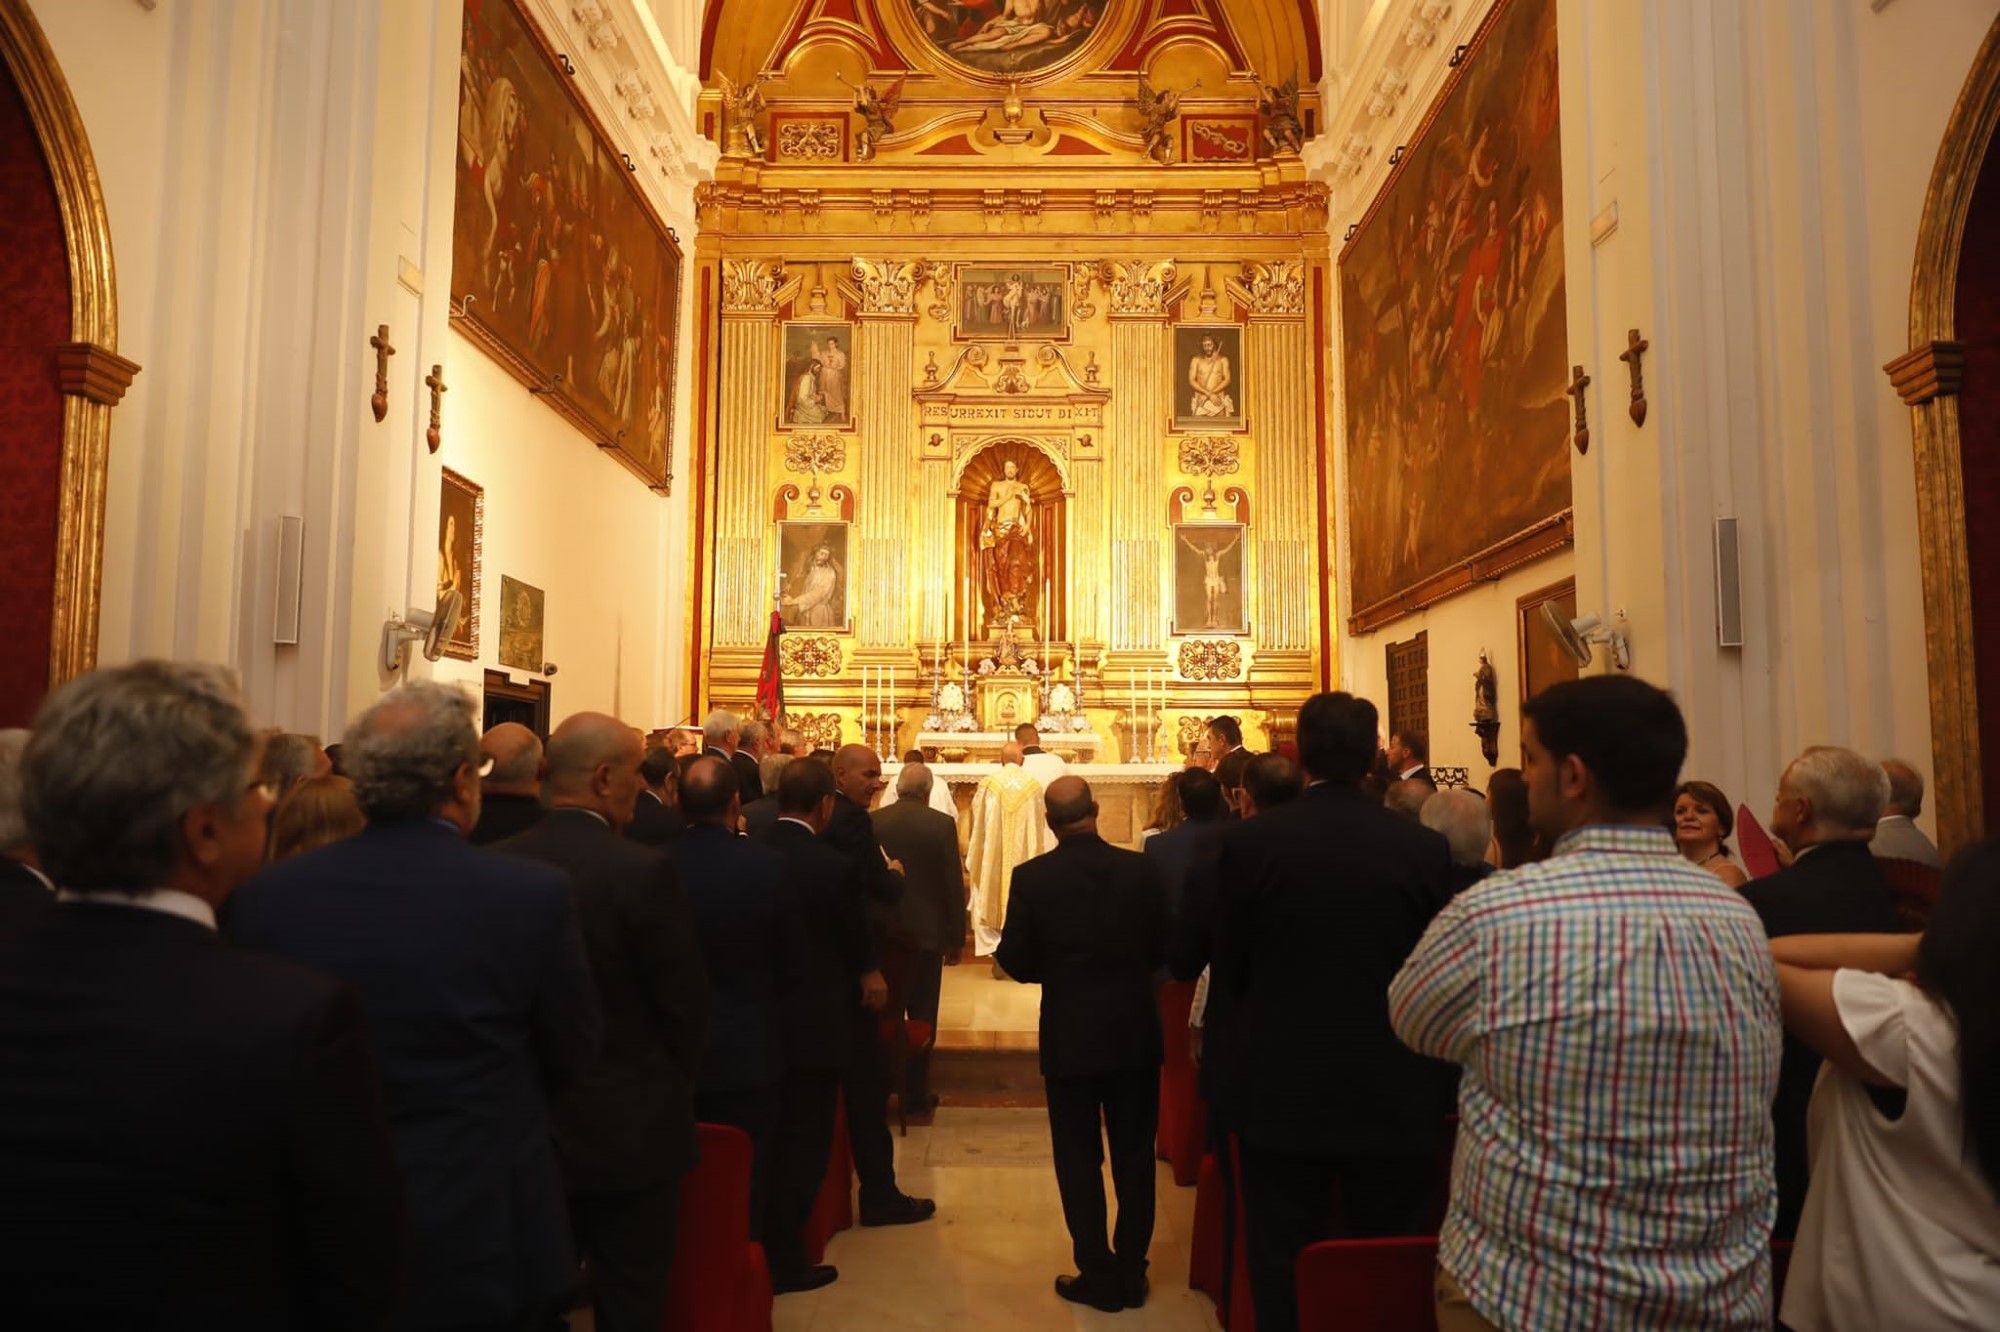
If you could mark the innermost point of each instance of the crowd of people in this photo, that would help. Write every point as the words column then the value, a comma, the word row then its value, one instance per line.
column 414, row 1030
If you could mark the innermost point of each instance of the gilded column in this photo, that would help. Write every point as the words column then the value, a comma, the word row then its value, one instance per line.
column 749, row 308
column 1135, row 452
column 1278, row 366
column 884, row 356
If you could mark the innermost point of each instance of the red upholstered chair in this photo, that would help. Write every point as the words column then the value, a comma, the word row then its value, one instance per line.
column 1205, row 1256
column 1183, row 1118
column 1368, row 1285
column 1915, row 887
column 833, row 1210
column 720, row 1281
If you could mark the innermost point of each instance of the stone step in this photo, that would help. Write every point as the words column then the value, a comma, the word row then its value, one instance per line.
column 987, row 1074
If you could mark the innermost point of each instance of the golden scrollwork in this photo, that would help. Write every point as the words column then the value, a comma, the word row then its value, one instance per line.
column 1210, row 455
column 1140, row 286
column 888, row 286
column 809, row 140
column 1187, row 734
column 1211, row 659
column 750, row 286
column 809, row 656
column 821, row 730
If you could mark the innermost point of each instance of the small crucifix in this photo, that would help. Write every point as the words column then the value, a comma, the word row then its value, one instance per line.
column 383, row 351
column 434, row 381
column 1578, row 382
column 1635, row 351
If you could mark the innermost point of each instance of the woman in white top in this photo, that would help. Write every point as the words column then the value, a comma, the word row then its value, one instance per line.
column 1901, row 1226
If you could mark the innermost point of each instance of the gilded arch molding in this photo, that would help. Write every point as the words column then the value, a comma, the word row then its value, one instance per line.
column 92, row 375
column 1928, row 377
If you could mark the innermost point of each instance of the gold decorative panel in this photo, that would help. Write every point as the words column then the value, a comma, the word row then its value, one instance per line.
column 1211, row 659
column 808, row 656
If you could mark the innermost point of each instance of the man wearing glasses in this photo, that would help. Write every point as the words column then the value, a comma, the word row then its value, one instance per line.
column 472, row 978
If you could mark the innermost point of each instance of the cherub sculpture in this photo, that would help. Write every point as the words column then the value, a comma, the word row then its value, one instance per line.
column 742, row 105
column 1156, row 113
column 1280, row 108
column 878, row 114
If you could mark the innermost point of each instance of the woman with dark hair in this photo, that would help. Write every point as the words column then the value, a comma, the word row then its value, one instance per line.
column 1702, row 824
column 1901, row 1225
column 1514, row 840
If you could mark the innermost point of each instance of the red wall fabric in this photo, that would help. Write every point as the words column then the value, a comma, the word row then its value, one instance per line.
column 34, row 293
column 1979, row 426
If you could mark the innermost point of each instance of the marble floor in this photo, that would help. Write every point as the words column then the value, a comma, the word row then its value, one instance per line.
column 990, row 1257
column 975, row 1008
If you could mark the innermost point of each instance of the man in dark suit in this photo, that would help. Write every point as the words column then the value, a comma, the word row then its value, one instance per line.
column 736, row 889
column 925, row 843
column 480, row 1004
column 721, row 732
column 761, row 814
column 1322, row 900
column 857, row 780
column 1088, row 923
column 510, row 795
column 1409, row 759
column 656, row 817
column 25, row 892
column 192, row 1135
column 822, row 905
column 1829, row 801
column 1174, row 850
column 625, row 1130
column 1225, row 737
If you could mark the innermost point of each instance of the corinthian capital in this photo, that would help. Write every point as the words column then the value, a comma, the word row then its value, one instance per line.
column 1139, row 287
column 888, row 286
column 750, row 286
column 1275, row 288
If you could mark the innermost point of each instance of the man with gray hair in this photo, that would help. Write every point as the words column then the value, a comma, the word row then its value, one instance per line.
column 472, row 974
column 192, row 1134
column 933, row 911
column 1408, row 796
column 1829, row 801
column 1897, row 836
column 725, row 736
column 510, row 795
column 25, row 892
column 1466, row 824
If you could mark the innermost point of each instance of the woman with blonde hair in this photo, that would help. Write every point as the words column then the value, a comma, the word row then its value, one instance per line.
column 1167, row 812
column 318, row 812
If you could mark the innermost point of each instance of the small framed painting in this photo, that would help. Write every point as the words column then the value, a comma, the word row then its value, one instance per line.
column 1544, row 661
column 1208, row 579
column 818, row 372
column 461, row 537
column 1208, row 377
column 1012, row 302
column 521, row 642
column 813, row 559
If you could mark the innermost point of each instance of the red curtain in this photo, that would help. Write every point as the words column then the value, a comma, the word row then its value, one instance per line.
column 34, row 292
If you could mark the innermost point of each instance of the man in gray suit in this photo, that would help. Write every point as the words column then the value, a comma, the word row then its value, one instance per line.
column 933, row 907
column 1897, row 837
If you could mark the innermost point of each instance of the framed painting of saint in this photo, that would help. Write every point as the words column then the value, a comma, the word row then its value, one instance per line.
column 815, row 392
column 521, row 642
column 1012, row 302
column 1208, row 579
column 461, row 537
column 812, row 557
column 1208, row 377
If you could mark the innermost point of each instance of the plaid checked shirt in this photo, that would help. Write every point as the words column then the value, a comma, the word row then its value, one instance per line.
column 1616, row 1011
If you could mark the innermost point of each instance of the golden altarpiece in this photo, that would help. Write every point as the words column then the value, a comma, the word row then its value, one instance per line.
column 1014, row 389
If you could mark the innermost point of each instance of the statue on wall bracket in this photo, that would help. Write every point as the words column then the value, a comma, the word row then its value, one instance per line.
column 1007, row 549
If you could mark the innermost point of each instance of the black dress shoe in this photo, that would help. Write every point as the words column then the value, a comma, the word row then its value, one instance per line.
column 806, row 1278
column 1082, row 1290
column 901, row 1210
column 1134, row 1291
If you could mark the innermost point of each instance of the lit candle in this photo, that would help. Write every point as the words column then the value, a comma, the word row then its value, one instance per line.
column 892, row 709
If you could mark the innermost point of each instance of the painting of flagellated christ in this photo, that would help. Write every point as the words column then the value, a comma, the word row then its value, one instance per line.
column 1453, row 328
column 565, row 275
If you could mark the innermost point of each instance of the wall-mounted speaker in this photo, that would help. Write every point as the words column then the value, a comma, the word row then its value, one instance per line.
column 291, row 579
column 1728, row 584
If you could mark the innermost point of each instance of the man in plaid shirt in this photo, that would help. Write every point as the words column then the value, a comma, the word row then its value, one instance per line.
column 1616, row 1012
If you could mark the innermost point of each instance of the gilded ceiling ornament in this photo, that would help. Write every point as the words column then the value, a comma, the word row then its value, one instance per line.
column 1139, row 286
column 939, row 276
column 888, row 286
column 750, row 286
column 1211, row 659
column 1277, row 288
column 809, row 656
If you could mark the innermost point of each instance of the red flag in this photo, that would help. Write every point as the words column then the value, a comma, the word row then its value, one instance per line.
column 770, row 682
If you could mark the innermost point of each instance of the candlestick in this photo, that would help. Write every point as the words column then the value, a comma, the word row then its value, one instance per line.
column 891, row 712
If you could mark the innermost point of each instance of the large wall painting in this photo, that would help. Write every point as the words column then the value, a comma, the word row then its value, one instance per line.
column 1009, row 39
column 565, row 274
column 1454, row 333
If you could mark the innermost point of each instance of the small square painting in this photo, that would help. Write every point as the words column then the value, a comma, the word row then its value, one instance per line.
column 521, row 642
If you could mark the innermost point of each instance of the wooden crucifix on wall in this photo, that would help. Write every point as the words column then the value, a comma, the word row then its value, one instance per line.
column 1635, row 351
column 434, row 381
column 383, row 351
column 1578, row 382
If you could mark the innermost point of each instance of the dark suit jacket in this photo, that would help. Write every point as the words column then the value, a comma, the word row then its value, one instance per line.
column 1322, row 900
column 1173, row 851
column 1837, row 888
column 933, row 910
column 852, row 833
column 759, row 816
column 472, row 975
column 1463, row 877
column 735, row 888
column 747, row 775
column 830, row 939
column 192, row 1134
column 1088, row 922
column 24, row 899
column 504, row 816
column 629, row 1120
column 654, row 822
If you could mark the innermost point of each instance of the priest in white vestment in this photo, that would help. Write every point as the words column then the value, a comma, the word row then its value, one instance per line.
column 1007, row 828
column 1043, row 766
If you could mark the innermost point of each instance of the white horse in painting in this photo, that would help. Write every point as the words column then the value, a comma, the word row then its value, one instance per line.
column 486, row 128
